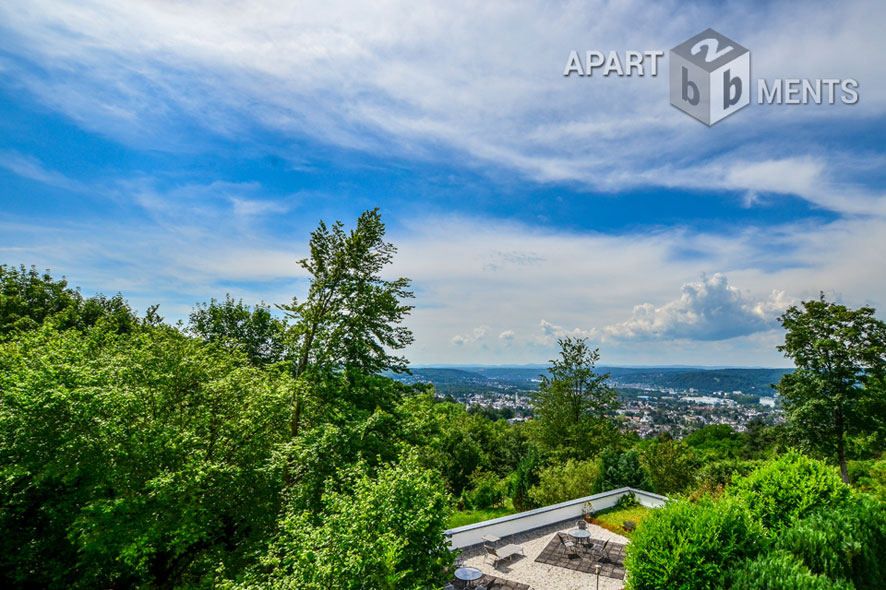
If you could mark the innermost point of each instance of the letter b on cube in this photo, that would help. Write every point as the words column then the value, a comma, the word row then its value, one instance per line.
column 710, row 76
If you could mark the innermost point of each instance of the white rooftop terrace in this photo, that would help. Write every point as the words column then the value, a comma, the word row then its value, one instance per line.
column 536, row 531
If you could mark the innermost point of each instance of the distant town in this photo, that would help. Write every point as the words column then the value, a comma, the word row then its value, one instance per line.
column 653, row 400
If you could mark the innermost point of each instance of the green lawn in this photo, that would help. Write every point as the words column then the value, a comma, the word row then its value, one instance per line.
column 614, row 518
column 471, row 516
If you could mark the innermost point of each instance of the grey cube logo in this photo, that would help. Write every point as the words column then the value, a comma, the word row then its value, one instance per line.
column 710, row 76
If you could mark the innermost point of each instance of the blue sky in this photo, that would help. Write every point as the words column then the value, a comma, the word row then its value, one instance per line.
column 176, row 153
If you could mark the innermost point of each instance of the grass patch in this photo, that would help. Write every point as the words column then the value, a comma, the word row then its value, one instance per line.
column 471, row 516
column 613, row 519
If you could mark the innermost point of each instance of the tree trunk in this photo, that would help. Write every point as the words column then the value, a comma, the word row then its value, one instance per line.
column 841, row 447
column 293, row 425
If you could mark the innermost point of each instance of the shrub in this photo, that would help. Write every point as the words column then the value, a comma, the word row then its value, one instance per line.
column 788, row 488
column 869, row 476
column 848, row 542
column 565, row 481
column 629, row 500
column 686, row 546
column 780, row 570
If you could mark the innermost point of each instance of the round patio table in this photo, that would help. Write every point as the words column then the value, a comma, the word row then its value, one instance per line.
column 468, row 574
column 581, row 535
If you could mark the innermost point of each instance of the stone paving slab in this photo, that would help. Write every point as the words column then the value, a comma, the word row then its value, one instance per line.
column 587, row 558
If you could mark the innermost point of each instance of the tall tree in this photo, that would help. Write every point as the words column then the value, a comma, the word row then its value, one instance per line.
column 572, row 402
column 350, row 318
column 838, row 352
column 28, row 298
column 236, row 325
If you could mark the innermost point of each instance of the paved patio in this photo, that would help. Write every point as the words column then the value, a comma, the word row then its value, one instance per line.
column 585, row 559
column 541, row 569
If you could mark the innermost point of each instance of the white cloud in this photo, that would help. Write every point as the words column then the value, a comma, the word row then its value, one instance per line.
column 550, row 333
column 481, row 81
column 709, row 309
column 476, row 334
column 588, row 282
column 488, row 85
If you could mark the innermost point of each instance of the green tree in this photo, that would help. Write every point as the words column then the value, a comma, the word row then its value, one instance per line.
column 716, row 440
column 565, row 481
column 761, row 439
column 232, row 323
column 621, row 469
column 838, row 353
column 350, row 318
column 487, row 491
column 670, row 466
column 136, row 460
column 572, row 403
column 27, row 299
column 526, row 476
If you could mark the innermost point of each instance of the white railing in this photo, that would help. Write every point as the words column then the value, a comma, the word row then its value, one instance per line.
column 472, row 534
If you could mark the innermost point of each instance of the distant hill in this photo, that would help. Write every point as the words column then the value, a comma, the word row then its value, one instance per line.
column 447, row 375
column 464, row 381
column 749, row 381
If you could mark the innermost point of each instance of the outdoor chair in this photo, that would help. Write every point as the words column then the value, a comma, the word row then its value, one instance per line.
column 568, row 545
column 604, row 553
column 502, row 553
column 607, row 553
column 581, row 524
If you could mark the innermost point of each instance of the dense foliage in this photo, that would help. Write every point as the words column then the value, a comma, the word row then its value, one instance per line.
column 384, row 533
column 791, row 523
column 788, row 488
column 847, row 542
column 558, row 483
column 132, row 459
column 255, row 331
column 247, row 450
column 688, row 546
column 780, row 570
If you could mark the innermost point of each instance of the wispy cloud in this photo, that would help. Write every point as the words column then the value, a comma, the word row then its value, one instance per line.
column 488, row 85
column 33, row 169
column 476, row 87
